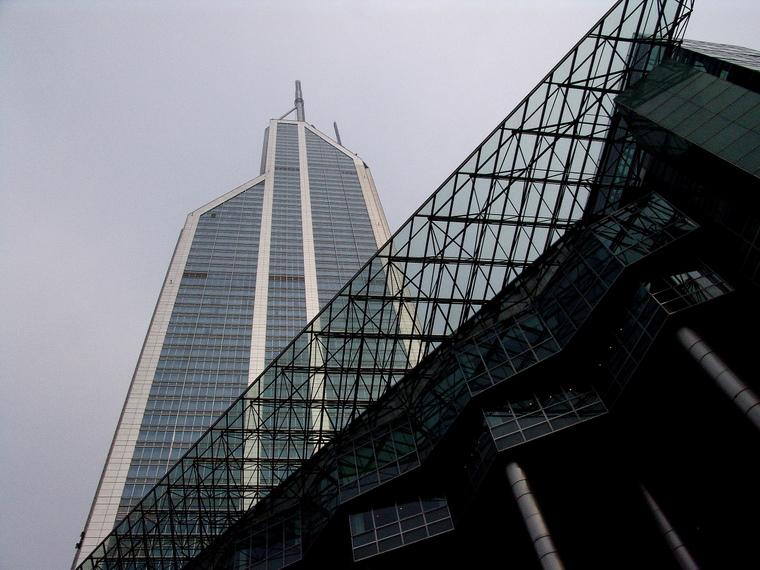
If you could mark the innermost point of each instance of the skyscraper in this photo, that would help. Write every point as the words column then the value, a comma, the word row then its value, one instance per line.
column 250, row 269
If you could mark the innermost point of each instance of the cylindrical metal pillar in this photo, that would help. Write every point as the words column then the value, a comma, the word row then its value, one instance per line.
column 534, row 520
column 744, row 398
column 676, row 545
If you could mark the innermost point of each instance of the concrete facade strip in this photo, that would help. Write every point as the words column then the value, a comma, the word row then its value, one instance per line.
column 307, row 229
column 261, row 295
column 257, row 356
column 311, row 289
column 374, row 207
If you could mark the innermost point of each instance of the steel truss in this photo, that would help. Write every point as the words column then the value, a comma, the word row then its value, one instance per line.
column 532, row 320
column 516, row 194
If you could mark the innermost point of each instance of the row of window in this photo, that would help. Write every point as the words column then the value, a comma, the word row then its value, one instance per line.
column 197, row 365
column 181, row 420
column 220, row 332
column 221, row 302
column 203, row 289
column 195, row 391
column 168, row 436
column 158, row 453
column 209, row 320
column 185, row 403
column 221, row 266
column 218, row 232
column 202, row 310
column 222, row 282
column 204, row 352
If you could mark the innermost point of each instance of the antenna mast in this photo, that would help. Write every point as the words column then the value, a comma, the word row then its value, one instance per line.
column 299, row 103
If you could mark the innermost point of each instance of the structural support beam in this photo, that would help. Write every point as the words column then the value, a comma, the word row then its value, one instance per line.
column 534, row 520
column 676, row 545
column 744, row 398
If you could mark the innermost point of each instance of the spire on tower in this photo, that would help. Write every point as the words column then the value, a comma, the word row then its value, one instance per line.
column 299, row 103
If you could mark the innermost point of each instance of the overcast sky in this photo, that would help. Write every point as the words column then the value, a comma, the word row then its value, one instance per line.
column 119, row 118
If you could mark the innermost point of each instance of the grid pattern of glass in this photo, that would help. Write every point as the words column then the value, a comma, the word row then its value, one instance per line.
column 517, row 422
column 562, row 297
column 702, row 109
column 204, row 360
column 574, row 288
column 515, row 195
column 375, row 458
column 530, row 180
column 742, row 56
column 286, row 301
column 737, row 215
column 386, row 528
column 336, row 201
column 684, row 290
column 416, row 414
column 644, row 317
column 275, row 546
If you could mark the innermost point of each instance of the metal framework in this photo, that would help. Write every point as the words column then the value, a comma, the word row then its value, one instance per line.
column 516, row 194
column 529, row 322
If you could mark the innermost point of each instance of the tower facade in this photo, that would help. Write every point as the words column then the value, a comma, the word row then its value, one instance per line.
column 249, row 271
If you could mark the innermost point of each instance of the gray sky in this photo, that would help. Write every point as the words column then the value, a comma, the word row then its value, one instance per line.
column 119, row 118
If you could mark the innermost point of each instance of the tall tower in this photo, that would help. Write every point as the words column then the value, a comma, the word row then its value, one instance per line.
column 250, row 269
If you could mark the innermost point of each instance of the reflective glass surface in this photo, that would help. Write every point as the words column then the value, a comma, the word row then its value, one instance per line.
column 203, row 365
column 387, row 528
column 702, row 109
